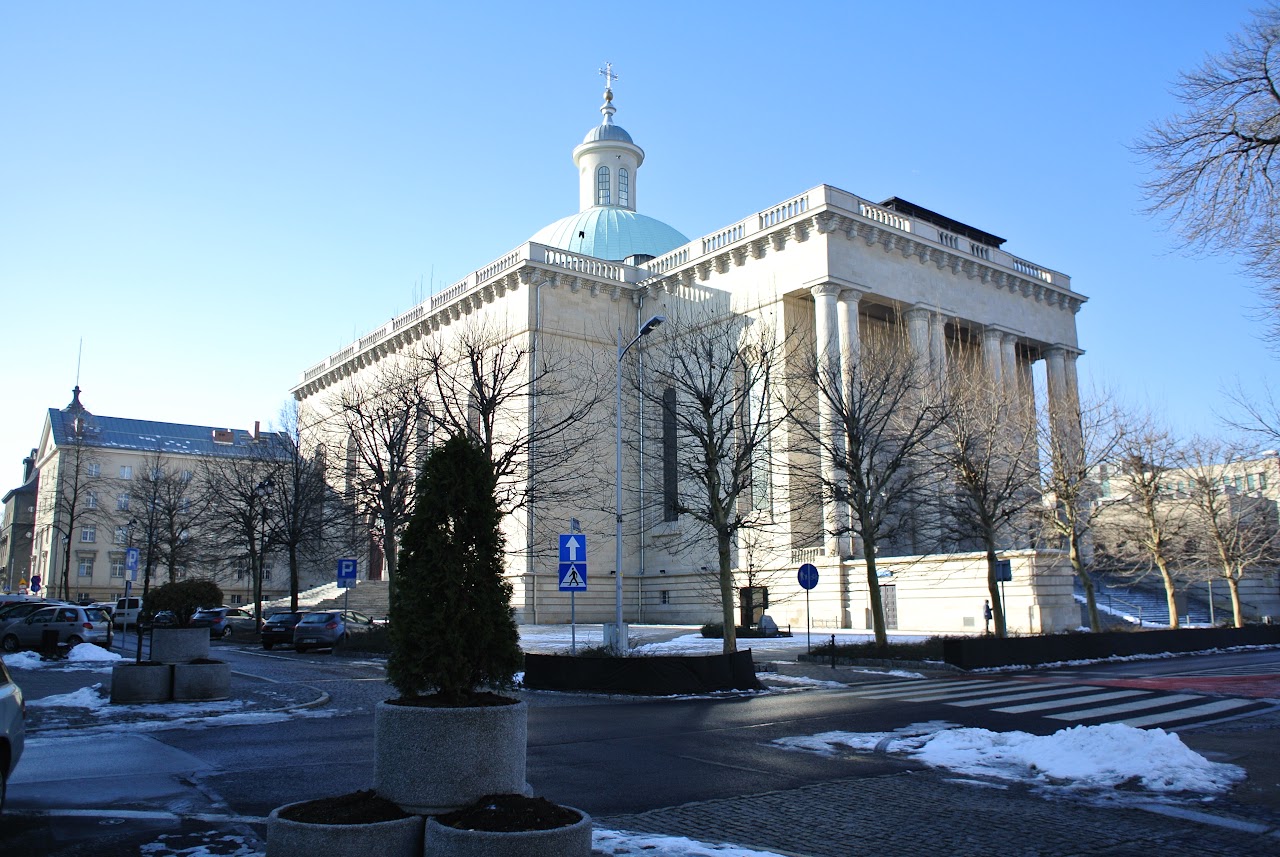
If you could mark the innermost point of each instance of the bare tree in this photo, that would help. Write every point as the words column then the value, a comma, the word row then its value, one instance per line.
column 1257, row 414
column 988, row 448
column 712, row 381
column 528, row 412
column 1139, row 528
column 308, row 516
column 886, row 411
column 70, row 497
column 165, row 507
column 240, row 491
column 1215, row 172
column 1076, row 442
column 1232, row 530
column 386, row 429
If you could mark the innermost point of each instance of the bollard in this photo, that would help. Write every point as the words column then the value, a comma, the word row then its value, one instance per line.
column 833, row 651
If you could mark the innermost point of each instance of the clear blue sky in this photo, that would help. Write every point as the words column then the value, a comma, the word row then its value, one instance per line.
column 215, row 196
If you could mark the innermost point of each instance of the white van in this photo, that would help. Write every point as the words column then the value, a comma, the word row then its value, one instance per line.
column 126, row 612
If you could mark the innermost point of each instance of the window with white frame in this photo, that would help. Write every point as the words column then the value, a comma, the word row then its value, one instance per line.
column 90, row 500
column 602, row 186
column 84, row 565
column 126, row 471
column 122, row 502
column 186, row 476
column 89, row 534
column 121, row 536
column 624, row 187
column 117, row 565
column 93, row 468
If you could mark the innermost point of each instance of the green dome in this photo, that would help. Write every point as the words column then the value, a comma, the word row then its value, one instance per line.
column 611, row 233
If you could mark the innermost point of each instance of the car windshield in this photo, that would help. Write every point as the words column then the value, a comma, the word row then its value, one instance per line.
column 316, row 618
column 207, row 614
column 283, row 618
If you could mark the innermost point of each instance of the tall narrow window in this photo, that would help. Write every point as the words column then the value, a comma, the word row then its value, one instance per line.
column 602, row 186
column 670, row 473
column 624, row 188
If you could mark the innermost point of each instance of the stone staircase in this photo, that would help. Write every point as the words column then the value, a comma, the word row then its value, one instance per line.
column 368, row 596
column 1137, row 604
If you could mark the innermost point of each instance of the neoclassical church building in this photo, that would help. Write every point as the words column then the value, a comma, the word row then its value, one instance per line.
column 823, row 261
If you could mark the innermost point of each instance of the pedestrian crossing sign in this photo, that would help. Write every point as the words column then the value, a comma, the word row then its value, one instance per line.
column 573, row 577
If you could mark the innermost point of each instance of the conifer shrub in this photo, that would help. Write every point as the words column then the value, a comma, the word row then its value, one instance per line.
column 452, row 630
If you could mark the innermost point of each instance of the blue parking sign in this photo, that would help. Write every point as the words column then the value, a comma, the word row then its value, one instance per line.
column 347, row 573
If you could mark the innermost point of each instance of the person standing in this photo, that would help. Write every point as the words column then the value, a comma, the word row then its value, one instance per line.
column 986, row 617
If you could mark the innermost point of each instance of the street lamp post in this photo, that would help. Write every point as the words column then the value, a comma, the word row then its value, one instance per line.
column 620, row 641
column 263, row 493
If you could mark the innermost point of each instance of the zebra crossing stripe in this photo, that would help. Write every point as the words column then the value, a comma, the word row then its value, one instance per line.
column 909, row 688
column 1063, row 703
column 1108, row 710
column 1186, row 713
column 1023, row 694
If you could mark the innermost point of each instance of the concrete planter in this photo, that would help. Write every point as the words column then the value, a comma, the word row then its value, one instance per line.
column 399, row 838
column 138, row 683
column 179, row 645
column 571, row 841
column 201, row 681
column 434, row 760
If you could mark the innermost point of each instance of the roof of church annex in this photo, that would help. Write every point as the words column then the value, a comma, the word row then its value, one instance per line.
column 608, row 226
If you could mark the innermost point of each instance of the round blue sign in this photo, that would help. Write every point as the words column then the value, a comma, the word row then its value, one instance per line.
column 808, row 575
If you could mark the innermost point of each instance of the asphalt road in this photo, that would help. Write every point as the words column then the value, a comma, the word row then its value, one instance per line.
column 609, row 756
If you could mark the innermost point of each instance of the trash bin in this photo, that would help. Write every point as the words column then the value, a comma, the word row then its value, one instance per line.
column 49, row 643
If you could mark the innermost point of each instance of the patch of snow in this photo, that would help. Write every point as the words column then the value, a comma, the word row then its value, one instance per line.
column 89, row 652
column 23, row 661
column 85, row 697
column 1081, row 758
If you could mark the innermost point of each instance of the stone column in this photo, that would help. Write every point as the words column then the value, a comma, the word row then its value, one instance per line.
column 850, row 357
column 1064, row 391
column 827, row 337
column 938, row 348
column 918, row 322
column 926, row 527
column 992, row 356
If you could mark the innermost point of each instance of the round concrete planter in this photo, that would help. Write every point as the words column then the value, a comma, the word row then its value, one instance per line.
column 138, row 683
column 434, row 760
column 200, row 681
column 571, row 841
column 399, row 838
column 179, row 645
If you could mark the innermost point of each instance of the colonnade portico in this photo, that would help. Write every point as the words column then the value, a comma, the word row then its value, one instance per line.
column 838, row 342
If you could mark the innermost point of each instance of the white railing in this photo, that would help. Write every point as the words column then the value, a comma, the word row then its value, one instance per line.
column 408, row 318
column 786, row 211
column 373, row 338
column 1024, row 267
column 806, row 554
column 883, row 215
column 584, row 264
column 982, row 251
column 948, row 239
column 723, row 238
column 495, row 268
column 665, row 263
column 439, row 299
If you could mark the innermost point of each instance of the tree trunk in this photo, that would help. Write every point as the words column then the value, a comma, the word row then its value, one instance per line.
column 993, row 589
column 1237, row 612
column 293, row 577
column 873, row 596
column 726, row 594
column 1170, row 593
column 1077, row 566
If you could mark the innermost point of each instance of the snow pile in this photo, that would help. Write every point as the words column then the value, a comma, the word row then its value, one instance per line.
column 85, row 697
column 1103, row 757
column 23, row 661
column 89, row 652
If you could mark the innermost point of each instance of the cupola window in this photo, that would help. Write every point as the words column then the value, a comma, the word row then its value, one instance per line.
column 602, row 186
column 624, row 188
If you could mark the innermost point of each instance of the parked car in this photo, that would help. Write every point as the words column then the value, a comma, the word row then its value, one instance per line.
column 13, row 709
column 162, row 619
column 222, row 622
column 127, row 612
column 279, row 628
column 74, row 625
column 14, row 612
column 325, row 629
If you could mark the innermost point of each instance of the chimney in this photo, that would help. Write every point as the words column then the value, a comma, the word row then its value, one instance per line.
column 28, row 467
column 224, row 436
column 257, row 430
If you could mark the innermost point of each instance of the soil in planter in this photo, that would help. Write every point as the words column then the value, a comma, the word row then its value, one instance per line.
column 506, row 813
column 475, row 699
column 206, row 661
column 363, row 807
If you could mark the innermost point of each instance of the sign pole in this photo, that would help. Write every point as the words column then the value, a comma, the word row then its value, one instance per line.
column 808, row 643
column 808, row 578
column 573, row 622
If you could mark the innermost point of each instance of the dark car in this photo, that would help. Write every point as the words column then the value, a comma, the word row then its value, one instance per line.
column 326, row 628
column 223, row 621
column 279, row 628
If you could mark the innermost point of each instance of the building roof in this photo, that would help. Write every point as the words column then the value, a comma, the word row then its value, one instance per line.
column 608, row 131
column 168, row 438
column 610, row 232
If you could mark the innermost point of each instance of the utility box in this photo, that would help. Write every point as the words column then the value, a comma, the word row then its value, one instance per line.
column 615, row 640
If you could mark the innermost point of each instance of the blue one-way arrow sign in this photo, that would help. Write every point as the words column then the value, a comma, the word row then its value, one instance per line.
column 573, row 562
